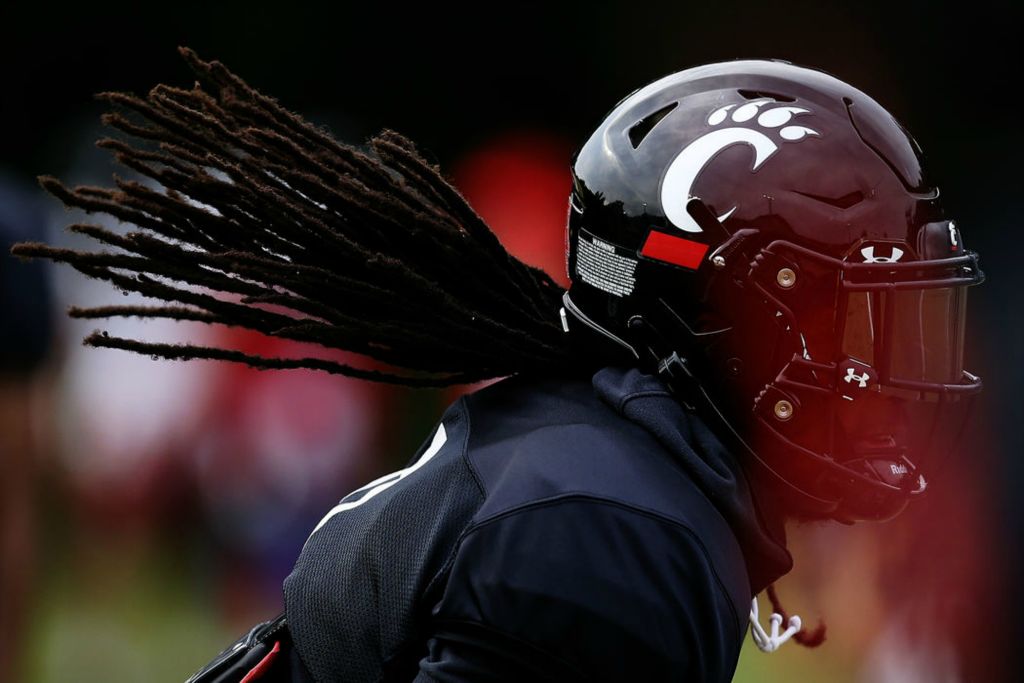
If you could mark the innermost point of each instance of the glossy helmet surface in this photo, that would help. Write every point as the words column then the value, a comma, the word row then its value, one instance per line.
column 764, row 236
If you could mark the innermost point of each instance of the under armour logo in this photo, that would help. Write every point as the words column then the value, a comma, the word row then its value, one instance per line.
column 852, row 376
column 869, row 255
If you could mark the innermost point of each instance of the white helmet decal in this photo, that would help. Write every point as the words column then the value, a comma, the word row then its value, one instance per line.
column 677, row 187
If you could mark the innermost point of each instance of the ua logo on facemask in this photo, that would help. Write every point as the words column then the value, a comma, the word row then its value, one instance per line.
column 869, row 255
column 852, row 376
column 677, row 188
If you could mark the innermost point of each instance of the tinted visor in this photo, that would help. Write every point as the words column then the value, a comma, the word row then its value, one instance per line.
column 908, row 334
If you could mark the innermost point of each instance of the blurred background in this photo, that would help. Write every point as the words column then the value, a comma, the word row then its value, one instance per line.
column 149, row 510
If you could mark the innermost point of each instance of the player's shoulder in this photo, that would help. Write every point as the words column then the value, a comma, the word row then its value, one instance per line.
column 641, row 596
column 545, row 440
column 588, row 518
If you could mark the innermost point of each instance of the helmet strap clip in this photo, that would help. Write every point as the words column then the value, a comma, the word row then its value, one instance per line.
column 771, row 640
column 676, row 373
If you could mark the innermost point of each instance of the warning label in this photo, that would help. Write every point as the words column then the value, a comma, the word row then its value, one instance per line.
column 600, row 265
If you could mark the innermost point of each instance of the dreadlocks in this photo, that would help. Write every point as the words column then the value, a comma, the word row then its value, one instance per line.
column 266, row 222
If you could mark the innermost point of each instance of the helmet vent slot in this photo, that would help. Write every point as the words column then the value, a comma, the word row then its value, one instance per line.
column 762, row 94
column 844, row 202
column 913, row 185
column 641, row 128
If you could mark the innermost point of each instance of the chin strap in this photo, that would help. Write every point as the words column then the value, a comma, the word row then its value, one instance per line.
column 770, row 642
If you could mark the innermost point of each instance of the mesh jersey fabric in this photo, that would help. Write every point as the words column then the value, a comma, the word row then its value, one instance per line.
column 355, row 599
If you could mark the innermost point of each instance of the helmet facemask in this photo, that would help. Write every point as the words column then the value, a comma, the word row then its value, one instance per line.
column 858, row 389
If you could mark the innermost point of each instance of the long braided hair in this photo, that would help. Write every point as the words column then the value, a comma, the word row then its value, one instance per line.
column 266, row 222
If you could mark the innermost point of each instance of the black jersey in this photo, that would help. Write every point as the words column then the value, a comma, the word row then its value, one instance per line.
column 550, row 530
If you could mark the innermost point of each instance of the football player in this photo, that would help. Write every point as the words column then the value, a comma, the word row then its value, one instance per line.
column 766, row 321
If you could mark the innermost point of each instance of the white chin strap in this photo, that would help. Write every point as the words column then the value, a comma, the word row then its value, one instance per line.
column 771, row 642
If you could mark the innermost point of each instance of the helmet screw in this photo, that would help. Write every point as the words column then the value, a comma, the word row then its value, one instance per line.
column 786, row 278
column 718, row 260
column 783, row 410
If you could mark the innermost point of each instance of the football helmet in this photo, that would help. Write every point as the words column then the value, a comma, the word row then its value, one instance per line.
column 762, row 234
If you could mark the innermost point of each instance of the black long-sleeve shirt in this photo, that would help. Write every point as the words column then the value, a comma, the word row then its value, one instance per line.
column 548, row 530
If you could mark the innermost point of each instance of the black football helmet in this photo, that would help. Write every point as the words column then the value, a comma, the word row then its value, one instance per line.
column 762, row 234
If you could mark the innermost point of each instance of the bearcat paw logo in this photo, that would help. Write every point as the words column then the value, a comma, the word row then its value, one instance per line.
column 774, row 117
column 767, row 121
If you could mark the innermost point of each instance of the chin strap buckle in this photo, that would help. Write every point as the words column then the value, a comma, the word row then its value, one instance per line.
column 675, row 369
column 770, row 642
column 677, row 375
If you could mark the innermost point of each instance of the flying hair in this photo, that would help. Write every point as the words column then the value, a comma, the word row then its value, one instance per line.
column 260, row 220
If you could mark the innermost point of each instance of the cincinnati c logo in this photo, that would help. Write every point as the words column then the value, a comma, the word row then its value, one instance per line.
column 676, row 189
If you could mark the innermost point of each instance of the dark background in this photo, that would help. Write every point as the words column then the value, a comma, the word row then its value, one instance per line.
column 451, row 79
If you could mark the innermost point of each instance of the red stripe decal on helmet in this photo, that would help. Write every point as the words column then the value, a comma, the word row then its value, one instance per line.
column 671, row 249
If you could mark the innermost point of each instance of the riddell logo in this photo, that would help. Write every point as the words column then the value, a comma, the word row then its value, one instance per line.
column 682, row 173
